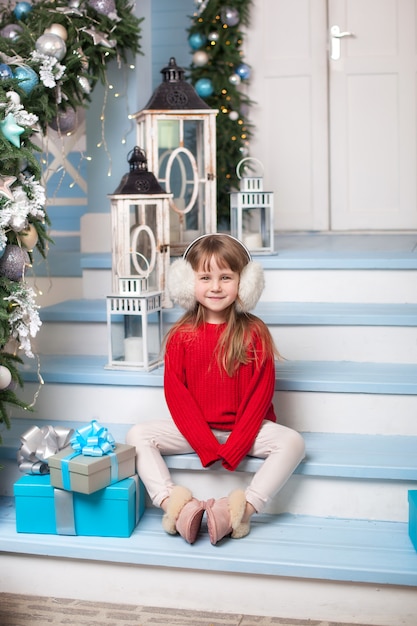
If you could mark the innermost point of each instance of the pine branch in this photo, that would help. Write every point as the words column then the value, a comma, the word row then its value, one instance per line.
column 93, row 39
column 223, row 46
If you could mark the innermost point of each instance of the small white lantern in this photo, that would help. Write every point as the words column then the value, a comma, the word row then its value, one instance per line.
column 178, row 131
column 134, row 326
column 140, row 231
column 252, row 213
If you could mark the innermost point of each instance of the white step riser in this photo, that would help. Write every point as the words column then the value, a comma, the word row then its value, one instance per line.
column 303, row 495
column 306, row 495
column 52, row 290
column 304, row 411
column 96, row 284
column 333, row 343
column 378, row 286
column 224, row 592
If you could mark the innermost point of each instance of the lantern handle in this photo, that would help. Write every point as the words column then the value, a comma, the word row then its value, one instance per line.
column 135, row 235
column 247, row 159
column 142, row 256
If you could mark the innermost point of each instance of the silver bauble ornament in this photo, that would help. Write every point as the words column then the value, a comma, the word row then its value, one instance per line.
column 65, row 121
column 11, row 31
column 229, row 16
column 234, row 79
column 52, row 45
column 234, row 116
column 5, row 377
column 58, row 29
column 13, row 97
column 105, row 7
column 13, row 261
column 84, row 84
column 213, row 36
column 200, row 58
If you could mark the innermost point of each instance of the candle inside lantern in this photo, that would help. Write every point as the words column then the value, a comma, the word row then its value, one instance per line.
column 168, row 134
column 133, row 349
column 253, row 241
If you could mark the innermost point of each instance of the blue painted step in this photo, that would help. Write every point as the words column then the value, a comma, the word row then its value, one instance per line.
column 325, row 376
column 292, row 251
column 327, row 454
column 323, row 251
column 284, row 313
column 278, row 545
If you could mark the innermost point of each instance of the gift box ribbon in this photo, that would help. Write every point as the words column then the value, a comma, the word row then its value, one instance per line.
column 38, row 444
column 64, row 509
column 64, row 512
column 91, row 440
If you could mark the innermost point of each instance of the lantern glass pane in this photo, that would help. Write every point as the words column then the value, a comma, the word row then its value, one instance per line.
column 181, row 169
column 141, row 213
column 256, row 232
column 134, row 331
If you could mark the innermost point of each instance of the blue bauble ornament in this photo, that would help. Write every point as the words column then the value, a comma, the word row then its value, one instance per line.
column 5, row 71
column 197, row 40
column 22, row 9
column 27, row 77
column 204, row 87
column 243, row 71
column 11, row 31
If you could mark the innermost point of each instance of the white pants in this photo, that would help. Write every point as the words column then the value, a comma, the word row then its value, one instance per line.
column 281, row 447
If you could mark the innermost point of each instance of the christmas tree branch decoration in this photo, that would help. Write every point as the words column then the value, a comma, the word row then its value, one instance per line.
column 220, row 76
column 52, row 54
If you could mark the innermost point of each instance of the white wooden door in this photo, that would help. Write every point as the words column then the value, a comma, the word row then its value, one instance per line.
column 337, row 137
column 286, row 46
column 372, row 104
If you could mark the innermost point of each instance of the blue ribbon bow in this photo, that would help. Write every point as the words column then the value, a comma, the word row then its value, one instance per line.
column 93, row 440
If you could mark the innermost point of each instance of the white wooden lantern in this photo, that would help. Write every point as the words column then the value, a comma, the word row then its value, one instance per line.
column 134, row 326
column 252, row 213
column 178, row 130
column 140, row 231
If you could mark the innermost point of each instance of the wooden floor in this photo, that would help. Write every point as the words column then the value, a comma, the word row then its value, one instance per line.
column 16, row 610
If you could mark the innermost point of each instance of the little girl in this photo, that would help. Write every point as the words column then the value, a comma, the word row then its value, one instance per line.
column 219, row 382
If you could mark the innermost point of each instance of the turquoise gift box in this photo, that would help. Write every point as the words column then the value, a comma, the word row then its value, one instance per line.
column 110, row 512
column 412, row 517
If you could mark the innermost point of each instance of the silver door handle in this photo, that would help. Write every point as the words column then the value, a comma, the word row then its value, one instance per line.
column 335, row 37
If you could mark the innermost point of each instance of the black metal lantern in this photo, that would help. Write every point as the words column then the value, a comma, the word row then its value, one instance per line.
column 140, row 231
column 178, row 130
column 138, row 179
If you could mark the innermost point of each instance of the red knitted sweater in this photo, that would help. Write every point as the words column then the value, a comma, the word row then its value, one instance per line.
column 201, row 397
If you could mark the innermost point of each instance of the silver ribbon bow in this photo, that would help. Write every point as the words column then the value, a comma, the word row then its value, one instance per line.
column 38, row 444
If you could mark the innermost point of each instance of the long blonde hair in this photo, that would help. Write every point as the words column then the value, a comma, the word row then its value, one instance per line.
column 236, row 339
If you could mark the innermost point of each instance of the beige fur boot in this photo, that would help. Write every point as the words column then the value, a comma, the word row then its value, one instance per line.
column 237, row 505
column 224, row 517
column 184, row 514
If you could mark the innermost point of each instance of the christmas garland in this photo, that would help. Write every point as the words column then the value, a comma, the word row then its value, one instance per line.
column 51, row 56
column 218, row 73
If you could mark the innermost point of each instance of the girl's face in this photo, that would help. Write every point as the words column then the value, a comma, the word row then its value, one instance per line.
column 216, row 289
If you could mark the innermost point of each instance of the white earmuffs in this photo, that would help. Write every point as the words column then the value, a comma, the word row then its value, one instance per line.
column 181, row 281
